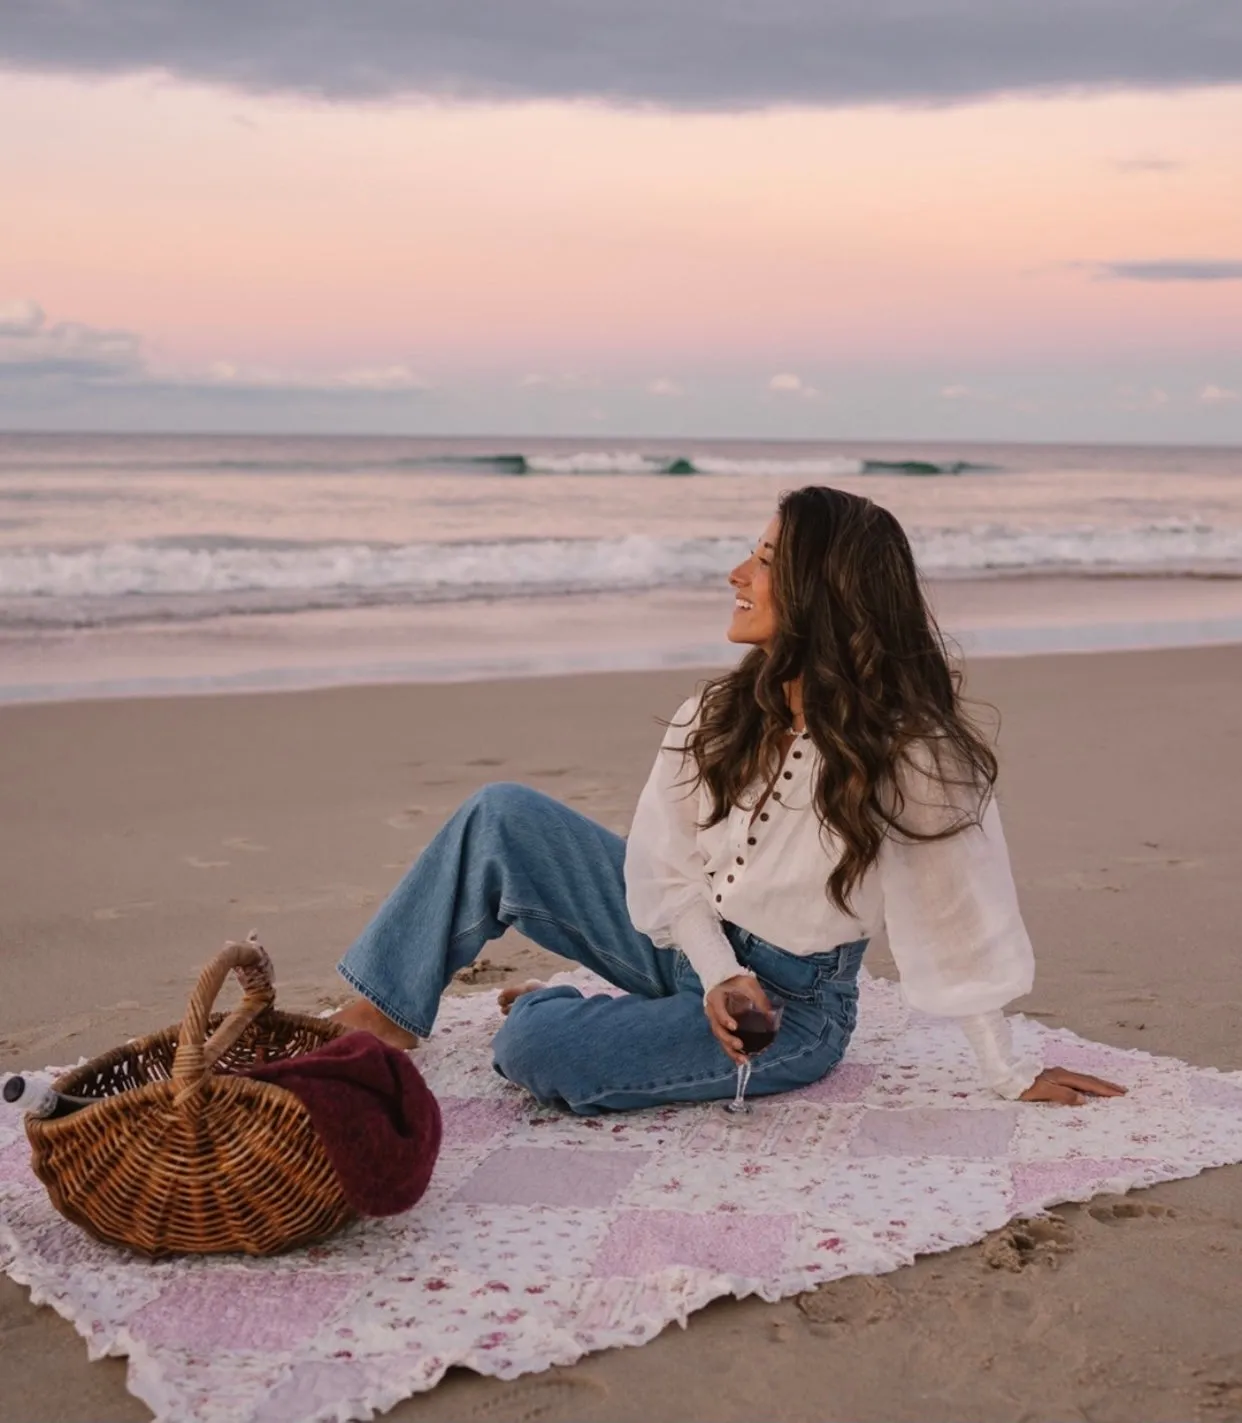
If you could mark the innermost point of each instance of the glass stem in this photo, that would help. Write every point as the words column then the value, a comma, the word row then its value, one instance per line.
column 743, row 1077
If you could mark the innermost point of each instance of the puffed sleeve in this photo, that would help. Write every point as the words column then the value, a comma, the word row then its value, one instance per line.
column 666, row 885
column 954, row 925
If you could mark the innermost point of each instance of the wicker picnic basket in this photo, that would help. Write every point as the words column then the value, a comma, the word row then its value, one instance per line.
column 183, row 1156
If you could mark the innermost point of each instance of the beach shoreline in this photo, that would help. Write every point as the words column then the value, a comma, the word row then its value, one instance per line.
column 1021, row 614
column 139, row 834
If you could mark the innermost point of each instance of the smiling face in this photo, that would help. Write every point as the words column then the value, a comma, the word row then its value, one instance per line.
column 754, row 612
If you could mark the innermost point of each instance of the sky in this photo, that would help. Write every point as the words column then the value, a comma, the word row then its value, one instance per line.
column 902, row 219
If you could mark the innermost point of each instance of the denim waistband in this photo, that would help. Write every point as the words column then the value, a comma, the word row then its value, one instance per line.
column 796, row 971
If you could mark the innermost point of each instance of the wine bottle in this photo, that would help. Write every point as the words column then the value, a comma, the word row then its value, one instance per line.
column 40, row 1099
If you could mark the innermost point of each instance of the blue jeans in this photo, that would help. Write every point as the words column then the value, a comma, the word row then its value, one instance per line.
column 511, row 856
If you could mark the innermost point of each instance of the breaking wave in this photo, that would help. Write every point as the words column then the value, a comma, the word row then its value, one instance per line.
column 632, row 462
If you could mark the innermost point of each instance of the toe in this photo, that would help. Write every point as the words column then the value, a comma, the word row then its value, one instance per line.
column 507, row 997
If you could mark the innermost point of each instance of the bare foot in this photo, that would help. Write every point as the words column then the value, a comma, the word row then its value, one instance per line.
column 363, row 1016
column 507, row 997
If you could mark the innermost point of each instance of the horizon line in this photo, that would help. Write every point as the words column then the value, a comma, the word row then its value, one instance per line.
column 597, row 438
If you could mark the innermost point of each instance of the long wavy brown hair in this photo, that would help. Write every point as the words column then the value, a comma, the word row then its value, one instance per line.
column 879, row 691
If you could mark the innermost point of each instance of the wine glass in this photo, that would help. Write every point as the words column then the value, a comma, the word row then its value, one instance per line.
column 757, row 1030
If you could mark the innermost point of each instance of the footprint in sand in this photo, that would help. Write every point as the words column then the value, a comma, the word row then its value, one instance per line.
column 483, row 971
column 405, row 819
column 856, row 1299
column 1223, row 1395
column 1025, row 1242
column 357, row 897
column 333, row 896
column 529, row 1400
column 1114, row 1212
column 486, row 761
column 124, row 911
column 48, row 1035
column 239, row 842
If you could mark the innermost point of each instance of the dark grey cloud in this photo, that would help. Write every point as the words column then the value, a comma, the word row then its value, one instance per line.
column 707, row 54
column 1169, row 271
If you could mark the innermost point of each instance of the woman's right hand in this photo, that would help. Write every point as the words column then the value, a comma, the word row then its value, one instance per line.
column 721, row 1021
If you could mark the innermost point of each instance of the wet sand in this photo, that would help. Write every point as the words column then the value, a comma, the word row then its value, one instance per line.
column 490, row 639
column 137, row 835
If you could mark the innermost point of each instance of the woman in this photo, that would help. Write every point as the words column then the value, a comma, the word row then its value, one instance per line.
column 829, row 784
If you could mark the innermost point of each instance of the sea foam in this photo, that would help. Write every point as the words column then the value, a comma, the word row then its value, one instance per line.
column 202, row 577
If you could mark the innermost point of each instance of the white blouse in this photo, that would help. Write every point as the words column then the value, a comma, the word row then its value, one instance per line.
column 950, row 906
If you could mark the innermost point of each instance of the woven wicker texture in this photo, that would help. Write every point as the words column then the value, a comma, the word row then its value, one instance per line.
column 183, row 1156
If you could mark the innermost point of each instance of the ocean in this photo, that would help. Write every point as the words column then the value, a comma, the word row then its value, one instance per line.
column 161, row 563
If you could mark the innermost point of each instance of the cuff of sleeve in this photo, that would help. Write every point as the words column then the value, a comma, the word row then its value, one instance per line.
column 990, row 1037
column 698, row 934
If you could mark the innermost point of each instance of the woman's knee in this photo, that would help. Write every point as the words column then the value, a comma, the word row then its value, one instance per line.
column 528, row 1050
column 507, row 802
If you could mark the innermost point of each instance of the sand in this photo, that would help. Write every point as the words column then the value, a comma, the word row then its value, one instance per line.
column 137, row 835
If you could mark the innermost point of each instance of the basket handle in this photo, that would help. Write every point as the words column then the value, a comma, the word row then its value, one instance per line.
column 195, row 1058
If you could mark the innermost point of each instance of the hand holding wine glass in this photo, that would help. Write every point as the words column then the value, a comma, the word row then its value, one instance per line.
column 745, row 1021
column 724, row 1023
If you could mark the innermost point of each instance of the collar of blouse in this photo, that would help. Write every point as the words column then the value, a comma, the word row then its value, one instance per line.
column 790, row 775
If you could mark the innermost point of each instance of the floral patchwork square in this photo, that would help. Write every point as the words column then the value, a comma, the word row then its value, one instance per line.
column 256, row 1310
column 935, row 1131
column 941, row 1202
column 550, row 1176
column 1037, row 1184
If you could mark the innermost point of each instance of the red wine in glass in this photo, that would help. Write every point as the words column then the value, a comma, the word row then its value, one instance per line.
column 756, row 1030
